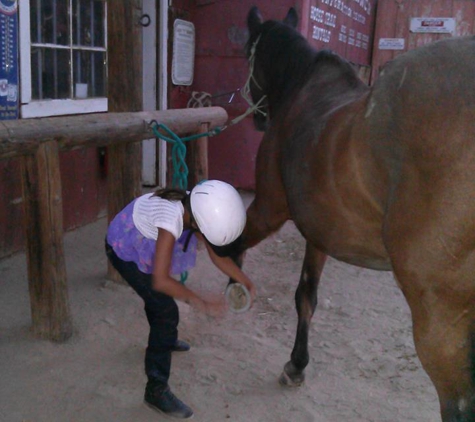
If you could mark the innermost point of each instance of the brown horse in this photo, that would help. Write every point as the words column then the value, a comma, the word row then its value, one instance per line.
column 381, row 177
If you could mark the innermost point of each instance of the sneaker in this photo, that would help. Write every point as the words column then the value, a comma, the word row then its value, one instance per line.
column 180, row 346
column 164, row 401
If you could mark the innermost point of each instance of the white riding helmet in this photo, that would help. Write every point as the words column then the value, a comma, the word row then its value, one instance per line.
column 218, row 211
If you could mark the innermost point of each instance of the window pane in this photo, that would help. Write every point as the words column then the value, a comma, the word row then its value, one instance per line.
column 99, row 17
column 62, row 22
column 88, row 23
column 49, row 21
column 65, row 26
column 99, row 75
column 35, row 24
column 36, row 72
column 49, row 73
column 89, row 74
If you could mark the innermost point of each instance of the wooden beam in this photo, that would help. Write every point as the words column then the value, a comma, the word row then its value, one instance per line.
column 43, row 214
column 21, row 137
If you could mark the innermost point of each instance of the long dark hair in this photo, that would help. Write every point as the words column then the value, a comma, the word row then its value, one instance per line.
column 173, row 194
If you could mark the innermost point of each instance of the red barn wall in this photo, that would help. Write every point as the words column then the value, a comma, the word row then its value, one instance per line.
column 83, row 192
column 393, row 21
column 345, row 27
column 221, row 66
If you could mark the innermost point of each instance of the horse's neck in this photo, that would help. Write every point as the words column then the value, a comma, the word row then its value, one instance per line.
column 330, row 80
column 286, row 81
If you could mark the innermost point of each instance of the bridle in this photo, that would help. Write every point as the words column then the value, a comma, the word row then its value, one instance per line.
column 246, row 89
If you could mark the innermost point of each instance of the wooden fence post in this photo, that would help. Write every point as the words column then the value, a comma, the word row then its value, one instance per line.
column 124, row 75
column 37, row 143
column 198, row 158
column 43, row 213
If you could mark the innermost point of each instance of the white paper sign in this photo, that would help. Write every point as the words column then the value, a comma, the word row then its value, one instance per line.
column 183, row 61
column 432, row 25
column 391, row 43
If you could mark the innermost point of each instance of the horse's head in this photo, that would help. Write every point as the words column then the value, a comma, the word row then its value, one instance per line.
column 257, row 53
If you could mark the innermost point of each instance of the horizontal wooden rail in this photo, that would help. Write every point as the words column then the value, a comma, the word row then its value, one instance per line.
column 38, row 143
column 22, row 137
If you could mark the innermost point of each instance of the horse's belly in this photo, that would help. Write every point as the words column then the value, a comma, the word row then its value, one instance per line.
column 365, row 261
column 355, row 245
column 349, row 237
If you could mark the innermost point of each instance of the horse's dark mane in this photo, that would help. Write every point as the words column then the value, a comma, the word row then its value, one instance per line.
column 288, row 60
column 287, row 56
column 347, row 70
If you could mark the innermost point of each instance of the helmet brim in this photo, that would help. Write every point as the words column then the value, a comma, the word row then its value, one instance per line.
column 232, row 249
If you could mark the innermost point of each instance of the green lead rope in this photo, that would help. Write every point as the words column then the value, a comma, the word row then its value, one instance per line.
column 180, row 169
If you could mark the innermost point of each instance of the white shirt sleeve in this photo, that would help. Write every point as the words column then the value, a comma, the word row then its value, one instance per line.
column 152, row 212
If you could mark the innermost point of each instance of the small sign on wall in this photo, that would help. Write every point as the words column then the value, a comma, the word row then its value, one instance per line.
column 391, row 43
column 432, row 25
column 183, row 61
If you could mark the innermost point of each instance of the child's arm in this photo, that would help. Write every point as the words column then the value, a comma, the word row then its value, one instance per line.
column 164, row 283
column 230, row 268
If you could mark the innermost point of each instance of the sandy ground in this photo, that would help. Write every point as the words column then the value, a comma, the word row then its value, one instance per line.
column 363, row 365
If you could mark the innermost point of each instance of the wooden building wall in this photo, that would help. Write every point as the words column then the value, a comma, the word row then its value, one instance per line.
column 393, row 22
column 83, row 190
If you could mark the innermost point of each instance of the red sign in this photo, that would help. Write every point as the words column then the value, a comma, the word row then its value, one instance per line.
column 344, row 26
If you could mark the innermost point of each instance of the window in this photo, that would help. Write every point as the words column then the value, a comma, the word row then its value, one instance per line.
column 63, row 57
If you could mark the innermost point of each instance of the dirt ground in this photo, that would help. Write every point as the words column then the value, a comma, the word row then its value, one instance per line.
column 363, row 365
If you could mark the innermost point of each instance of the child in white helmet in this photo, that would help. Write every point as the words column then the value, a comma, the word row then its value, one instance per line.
column 140, row 243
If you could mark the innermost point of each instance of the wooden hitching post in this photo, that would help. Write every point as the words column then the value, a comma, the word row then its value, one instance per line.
column 43, row 213
column 198, row 158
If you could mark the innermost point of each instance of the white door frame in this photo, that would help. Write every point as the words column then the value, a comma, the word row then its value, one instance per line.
column 154, row 89
column 163, row 84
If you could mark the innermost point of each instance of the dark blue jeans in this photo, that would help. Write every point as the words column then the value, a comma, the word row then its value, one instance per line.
column 162, row 315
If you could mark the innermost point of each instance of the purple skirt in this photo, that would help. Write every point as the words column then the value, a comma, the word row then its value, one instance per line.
column 130, row 245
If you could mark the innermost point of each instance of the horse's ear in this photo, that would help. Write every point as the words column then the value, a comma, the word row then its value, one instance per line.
column 292, row 18
column 254, row 19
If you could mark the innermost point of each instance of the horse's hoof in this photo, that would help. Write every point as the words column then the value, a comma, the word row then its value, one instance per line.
column 290, row 377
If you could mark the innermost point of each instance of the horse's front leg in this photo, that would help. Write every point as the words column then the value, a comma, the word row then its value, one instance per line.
column 261, row 222
column 305, row 302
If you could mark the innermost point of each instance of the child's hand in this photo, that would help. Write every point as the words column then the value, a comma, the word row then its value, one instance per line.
column 212, row 305
column 252, row 291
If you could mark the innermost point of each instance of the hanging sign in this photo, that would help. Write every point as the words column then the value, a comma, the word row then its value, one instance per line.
column 183, row 61
column 432, row 25
column 391, row 43
column 8, row 60
column 343, row 26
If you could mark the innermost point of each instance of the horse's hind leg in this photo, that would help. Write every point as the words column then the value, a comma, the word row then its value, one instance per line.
column 444, row 336
column 306, row 302
column 434, row 263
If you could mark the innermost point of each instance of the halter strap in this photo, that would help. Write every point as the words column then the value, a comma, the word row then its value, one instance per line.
column 246, row 90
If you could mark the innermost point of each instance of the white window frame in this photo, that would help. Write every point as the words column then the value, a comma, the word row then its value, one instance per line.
column 43, row 108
